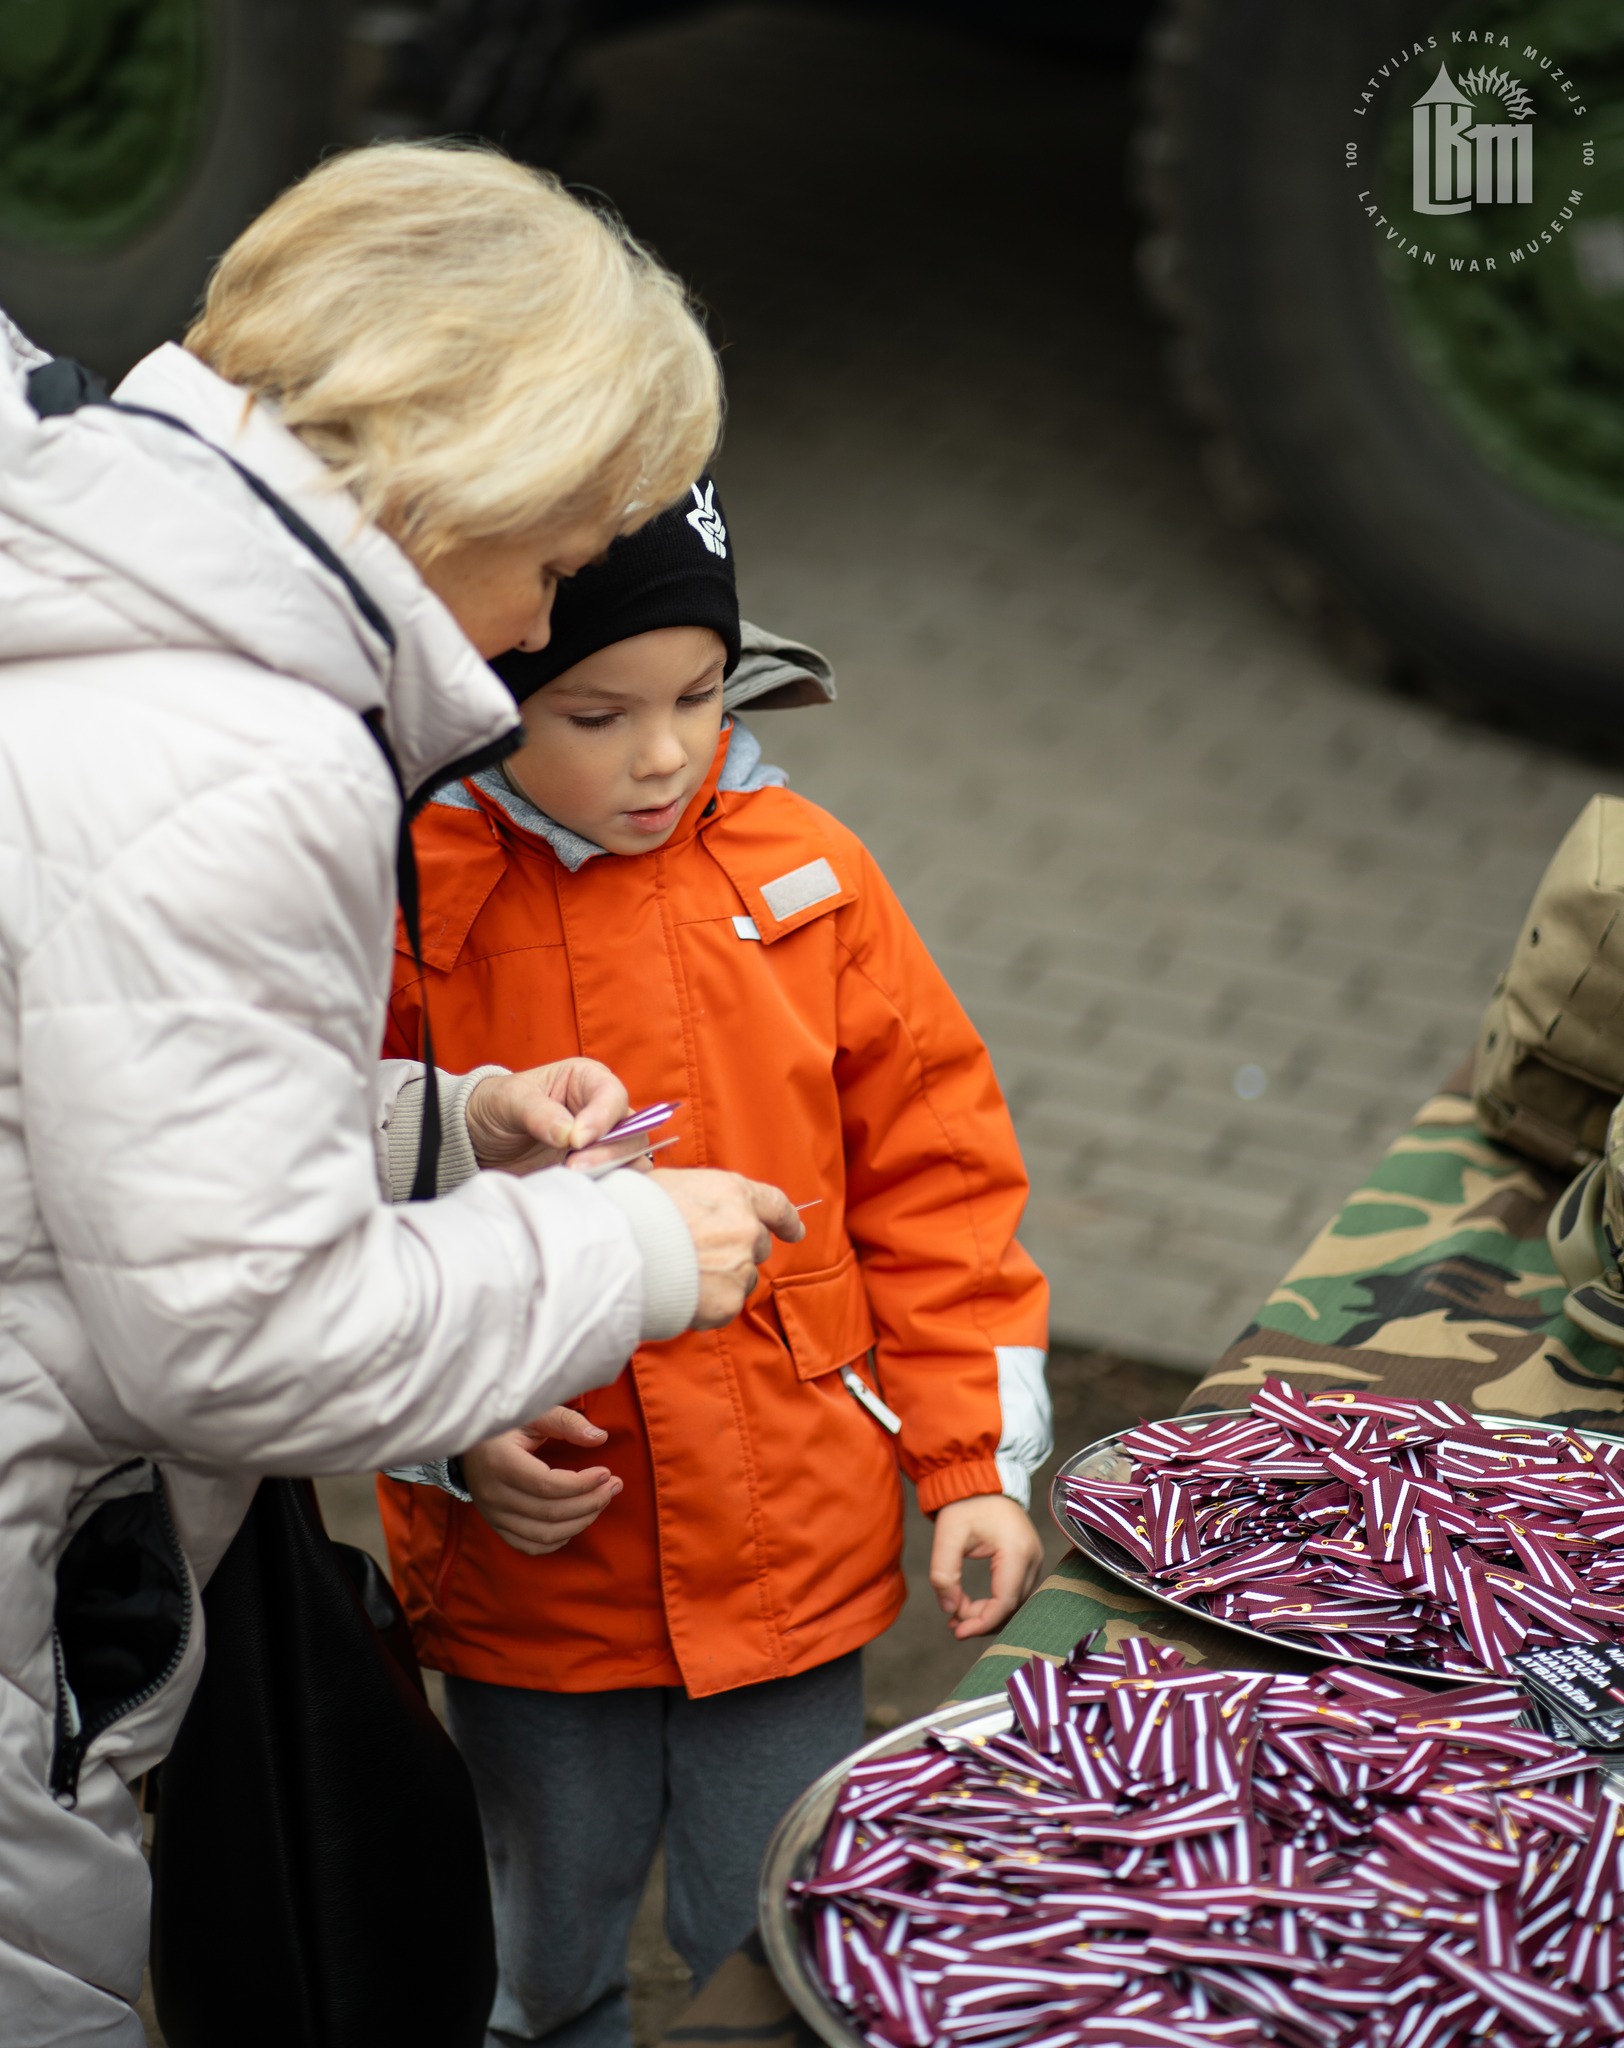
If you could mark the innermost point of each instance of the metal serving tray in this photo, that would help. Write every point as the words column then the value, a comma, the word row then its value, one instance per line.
column 1108, row 1460
column 794, row 1844
column 793, row 1848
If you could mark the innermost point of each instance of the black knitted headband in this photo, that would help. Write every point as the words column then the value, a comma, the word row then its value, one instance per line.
column 676, row 571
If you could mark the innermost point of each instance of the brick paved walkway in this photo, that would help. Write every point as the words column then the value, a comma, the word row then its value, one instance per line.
column 1167, row 850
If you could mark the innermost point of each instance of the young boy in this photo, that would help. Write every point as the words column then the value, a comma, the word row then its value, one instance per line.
column 671, row 1638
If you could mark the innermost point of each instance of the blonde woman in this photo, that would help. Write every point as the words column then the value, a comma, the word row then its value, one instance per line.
column 425, row 386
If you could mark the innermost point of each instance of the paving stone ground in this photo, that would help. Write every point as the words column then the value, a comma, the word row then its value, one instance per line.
column 1152, row 830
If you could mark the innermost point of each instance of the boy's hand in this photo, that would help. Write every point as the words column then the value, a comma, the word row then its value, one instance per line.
column 534, row 1506
column 986, row 1525
column 519, row 1123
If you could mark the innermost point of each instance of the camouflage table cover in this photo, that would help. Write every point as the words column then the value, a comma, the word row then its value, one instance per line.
column 1433, row 1280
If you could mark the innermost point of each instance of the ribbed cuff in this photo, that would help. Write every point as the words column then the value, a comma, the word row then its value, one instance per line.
column 405, row 1133
column 670, row 1263
column 958, row 1482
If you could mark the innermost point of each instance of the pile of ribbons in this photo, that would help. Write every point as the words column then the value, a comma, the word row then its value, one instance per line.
column 1158, row 1855
column 1407, row 1531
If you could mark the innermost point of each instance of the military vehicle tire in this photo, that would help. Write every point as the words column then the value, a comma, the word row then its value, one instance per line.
column 1376, row 504
column 238, row 97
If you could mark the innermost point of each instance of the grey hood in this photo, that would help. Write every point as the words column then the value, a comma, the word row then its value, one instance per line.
column 775, row 674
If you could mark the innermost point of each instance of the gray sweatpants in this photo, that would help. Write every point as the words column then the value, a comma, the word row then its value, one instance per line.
column 574, row 1789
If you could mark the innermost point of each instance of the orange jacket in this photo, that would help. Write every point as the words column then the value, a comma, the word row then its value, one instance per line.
column 818, row 1047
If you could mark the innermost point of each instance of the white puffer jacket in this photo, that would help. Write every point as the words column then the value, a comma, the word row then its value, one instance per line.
column 200, row 1277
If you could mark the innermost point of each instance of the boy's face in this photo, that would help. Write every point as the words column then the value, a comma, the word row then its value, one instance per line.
column 616, row 747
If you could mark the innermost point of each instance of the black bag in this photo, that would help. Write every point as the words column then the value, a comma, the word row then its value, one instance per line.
column 318, row 1871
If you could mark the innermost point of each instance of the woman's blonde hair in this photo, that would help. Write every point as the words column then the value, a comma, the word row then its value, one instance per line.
column 474, row 353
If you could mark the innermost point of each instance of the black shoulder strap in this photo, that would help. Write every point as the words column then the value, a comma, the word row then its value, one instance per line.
column 425, row 1178
column 63, row 386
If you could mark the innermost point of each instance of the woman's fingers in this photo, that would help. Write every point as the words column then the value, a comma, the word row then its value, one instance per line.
column 777, row 1213
column 594, row 1097
column 520, row 1122
column 731, row 1221
column 515, row 1122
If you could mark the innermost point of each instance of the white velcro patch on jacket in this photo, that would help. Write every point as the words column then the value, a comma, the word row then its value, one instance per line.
column 800, row 889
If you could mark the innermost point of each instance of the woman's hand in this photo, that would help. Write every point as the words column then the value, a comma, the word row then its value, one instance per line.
column 532, row 1505
column 732, row 1222
column 519, row 1123
column 986, row 1525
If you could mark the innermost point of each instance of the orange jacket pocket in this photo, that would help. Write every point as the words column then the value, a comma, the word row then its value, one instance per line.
column 824, row 1317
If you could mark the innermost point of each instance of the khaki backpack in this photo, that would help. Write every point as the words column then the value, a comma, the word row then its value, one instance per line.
column 1586, row 1234
column 1550, row 1054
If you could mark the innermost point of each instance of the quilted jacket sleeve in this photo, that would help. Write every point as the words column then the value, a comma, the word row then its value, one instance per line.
column 200, row 1036
column 935, row 1191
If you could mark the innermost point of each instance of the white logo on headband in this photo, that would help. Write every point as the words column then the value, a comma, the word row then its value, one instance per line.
column 706, row 521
